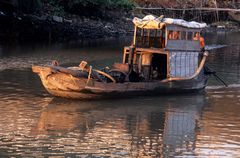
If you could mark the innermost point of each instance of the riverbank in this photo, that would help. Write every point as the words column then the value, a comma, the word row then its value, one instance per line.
column 51, row 28
column 52, row 23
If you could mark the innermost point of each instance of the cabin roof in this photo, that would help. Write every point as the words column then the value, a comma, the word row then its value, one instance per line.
column 152, row 22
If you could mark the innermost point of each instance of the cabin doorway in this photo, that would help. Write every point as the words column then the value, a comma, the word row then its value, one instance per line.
column 159, row 66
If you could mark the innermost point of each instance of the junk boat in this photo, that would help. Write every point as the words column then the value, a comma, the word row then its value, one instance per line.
column 164, row 57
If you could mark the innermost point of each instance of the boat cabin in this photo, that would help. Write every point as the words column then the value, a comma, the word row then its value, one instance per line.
column 163, row 51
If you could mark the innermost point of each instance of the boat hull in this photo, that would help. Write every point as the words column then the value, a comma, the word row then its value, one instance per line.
column 65, row 85
column 234, row 16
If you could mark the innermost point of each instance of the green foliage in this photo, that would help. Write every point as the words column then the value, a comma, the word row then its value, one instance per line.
column 30, row 6
column 108, row 4
column 87, row 7
column 57, row 7
column 127, row 4
column 39, row 3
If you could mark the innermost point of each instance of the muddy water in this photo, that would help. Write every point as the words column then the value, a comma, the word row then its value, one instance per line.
column 36, row 124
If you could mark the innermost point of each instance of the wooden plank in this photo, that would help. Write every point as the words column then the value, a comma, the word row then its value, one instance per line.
column 148, row 50
column 124, row 54
column 135, row 36
column 183, row 45
column 151, row 50
column 166, row 37
column 168, row 64
column 181, row 28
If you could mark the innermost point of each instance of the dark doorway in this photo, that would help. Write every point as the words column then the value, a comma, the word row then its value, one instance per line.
column 159, row 66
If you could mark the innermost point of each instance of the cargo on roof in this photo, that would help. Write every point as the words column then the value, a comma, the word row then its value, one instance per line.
column 152, row 22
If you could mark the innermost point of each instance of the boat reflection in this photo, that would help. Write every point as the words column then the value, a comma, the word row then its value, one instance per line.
column 132, row 127
column 61, row 116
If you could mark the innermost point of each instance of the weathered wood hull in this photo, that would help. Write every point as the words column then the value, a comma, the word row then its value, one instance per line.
column 65, row 85
column 234, row 16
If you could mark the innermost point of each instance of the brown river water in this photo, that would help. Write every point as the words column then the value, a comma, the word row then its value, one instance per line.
column 36, row 124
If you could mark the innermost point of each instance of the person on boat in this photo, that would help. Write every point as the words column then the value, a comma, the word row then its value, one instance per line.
column 201, row 40
column 173, row 35
column 170, row 34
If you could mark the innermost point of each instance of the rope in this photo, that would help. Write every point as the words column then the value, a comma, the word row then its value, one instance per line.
column 105, row 74
column 98, row 71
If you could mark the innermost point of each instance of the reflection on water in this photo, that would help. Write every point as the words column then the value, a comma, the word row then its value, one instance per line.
column 193, row 125
column 35, row 124
column 106, row 128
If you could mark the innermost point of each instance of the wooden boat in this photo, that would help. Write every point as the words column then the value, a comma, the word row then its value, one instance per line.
column 235, row 16
column 155, row 63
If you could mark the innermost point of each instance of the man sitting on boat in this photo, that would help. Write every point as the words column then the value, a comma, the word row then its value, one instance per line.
column 201, row 39
column 174, row 35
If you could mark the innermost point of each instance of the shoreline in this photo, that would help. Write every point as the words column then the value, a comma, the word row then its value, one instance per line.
column 52, row 29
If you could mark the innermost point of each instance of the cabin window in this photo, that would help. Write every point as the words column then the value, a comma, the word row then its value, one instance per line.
column 196, row 36
column 181, row 38
column 183, row 35
column 174, row 35
column 147, row 38
column 190, row 36
column 170, row 34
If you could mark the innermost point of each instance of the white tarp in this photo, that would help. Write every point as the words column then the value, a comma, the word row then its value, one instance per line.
column 149, row 22
column 152, row 22
column 181, row 22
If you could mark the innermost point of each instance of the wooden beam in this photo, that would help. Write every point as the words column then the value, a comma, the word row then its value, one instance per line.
column 124, row 54
column 147, row 50
column 135, row 36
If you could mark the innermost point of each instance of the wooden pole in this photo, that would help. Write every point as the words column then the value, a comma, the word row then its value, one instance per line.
column 142, row 37
column 132, row 48
column 134, row 36
column 216, row 10
column 183, row 13
column 131, row 56
column 148, row 38
column 166, row 36
column 201, row 12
